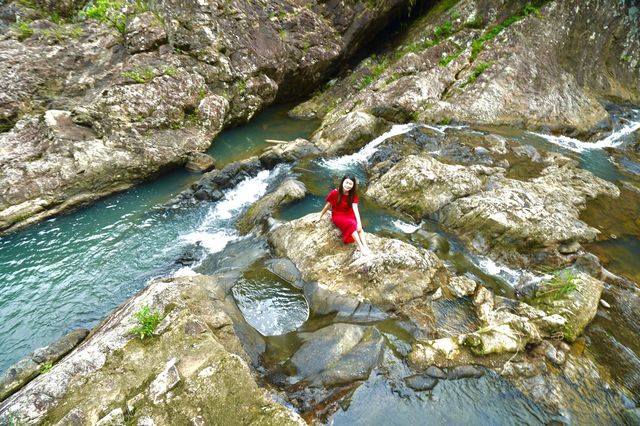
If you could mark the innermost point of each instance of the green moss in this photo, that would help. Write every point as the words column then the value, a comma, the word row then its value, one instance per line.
column 374, row 73
column 447, row 59
column 170, row 71
column 46, row 367
column 443, row 30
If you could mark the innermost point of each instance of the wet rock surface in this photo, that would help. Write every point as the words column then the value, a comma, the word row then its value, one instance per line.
column 338, row 354
column 194, row 358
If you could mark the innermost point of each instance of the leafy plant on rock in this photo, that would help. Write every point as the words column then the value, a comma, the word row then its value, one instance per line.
column 148, row 320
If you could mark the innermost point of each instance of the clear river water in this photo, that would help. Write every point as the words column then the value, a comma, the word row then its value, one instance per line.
column 71, row 271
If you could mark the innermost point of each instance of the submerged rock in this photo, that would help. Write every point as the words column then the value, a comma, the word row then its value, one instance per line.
column 421, row 382
column 339, row 353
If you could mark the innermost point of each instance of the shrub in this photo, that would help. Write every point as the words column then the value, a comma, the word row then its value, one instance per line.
column 148, row 320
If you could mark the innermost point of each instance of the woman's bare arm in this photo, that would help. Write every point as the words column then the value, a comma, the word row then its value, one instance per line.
column 324, row 210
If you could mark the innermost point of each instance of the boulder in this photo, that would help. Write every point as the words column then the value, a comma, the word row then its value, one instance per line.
column 193, row 367
column 517, row 218
column 290, row 190
column 338, row 354
column 288, row 152
column 396, row 274
column 420, row 185
column 199, row 162
column 574, row 296
column 349, row 133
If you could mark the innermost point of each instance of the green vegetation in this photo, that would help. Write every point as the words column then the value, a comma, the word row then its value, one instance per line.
column 445, row 61
column 46, row 367
column 170, row 70
column 22, row 29
column 62, row 32
column 108, row 12
column 625, row 58
column 148, row 320
column 241, row 85
column 283, row 34
column 479, row 69
column 562, row 283
column 443, row 31
column 140, row 76
column 445, row 121
column 478, row 44
column 375, row 72
column 111, row 12
column 202, row 92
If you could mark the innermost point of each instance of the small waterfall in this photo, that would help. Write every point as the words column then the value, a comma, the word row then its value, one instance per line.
column 369, row 149
column 614, row 139
column 513, row 277
column 216, row 229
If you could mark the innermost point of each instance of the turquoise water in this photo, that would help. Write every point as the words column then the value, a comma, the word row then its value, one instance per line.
column 73, row 270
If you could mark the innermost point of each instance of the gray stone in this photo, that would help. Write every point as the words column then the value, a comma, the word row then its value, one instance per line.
column 289, row 191
column 464, row 372
column 199, row 162
column 421, row 382
column 337, row 354
column 114, row 418
column 29, row 367
column 435, row 372
column 285, row 269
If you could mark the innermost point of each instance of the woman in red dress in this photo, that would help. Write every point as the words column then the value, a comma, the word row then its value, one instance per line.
column 344, row 213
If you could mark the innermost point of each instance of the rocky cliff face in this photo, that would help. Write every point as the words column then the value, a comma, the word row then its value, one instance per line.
column 490, row 63
column 91, row 108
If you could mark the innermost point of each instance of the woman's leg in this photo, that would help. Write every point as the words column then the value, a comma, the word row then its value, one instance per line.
column 363, row 240
column 356, row 237
column 362, row 245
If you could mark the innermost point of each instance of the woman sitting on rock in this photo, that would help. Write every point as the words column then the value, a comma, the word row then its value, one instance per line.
column 344, row 213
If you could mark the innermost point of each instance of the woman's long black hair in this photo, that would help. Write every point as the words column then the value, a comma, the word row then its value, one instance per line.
column 352, row 191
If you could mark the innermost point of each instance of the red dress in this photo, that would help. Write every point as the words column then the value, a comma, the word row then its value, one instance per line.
column 343, row 215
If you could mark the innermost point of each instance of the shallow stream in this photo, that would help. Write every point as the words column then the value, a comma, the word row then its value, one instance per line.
column 71, row 271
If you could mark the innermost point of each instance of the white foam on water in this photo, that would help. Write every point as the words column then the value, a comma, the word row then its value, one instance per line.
column 213, row 241
column 405, row 227
column 185, row 271
column 509, row 275
column 577, row 145
column 246, row 192
column 214, row 233
column 369, row 149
